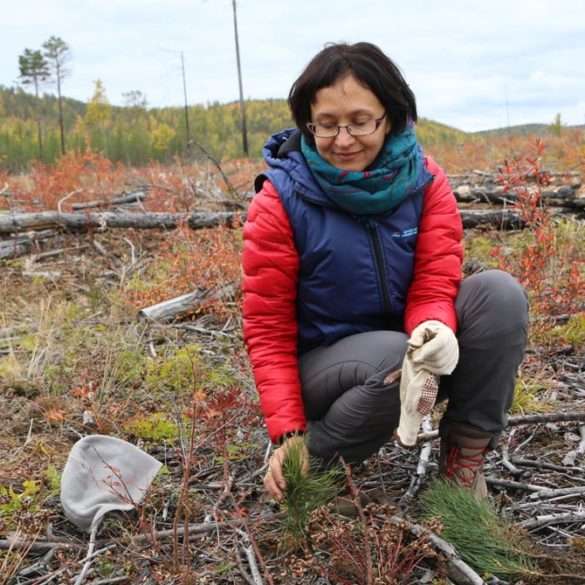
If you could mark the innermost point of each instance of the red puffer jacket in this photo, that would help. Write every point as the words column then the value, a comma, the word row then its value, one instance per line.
column 271, row 265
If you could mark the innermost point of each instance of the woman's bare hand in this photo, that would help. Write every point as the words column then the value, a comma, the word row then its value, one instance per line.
column 274, row 481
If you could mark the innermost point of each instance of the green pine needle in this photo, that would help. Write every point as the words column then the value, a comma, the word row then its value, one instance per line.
column 306, row 491
column 483, row 539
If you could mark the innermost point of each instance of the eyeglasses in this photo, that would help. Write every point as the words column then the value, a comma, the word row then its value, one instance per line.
column 356, row 129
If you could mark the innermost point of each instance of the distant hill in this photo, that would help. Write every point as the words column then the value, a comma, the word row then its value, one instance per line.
column 137, row 135
column 523, row 130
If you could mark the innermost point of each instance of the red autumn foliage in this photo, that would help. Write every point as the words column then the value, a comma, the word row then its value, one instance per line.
column 547, row 266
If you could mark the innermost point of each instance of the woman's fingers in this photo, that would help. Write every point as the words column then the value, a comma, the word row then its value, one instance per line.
column 276, row 467
column 271, row 487
column 274, row 481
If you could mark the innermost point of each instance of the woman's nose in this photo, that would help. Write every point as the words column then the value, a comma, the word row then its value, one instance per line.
column 344, row 137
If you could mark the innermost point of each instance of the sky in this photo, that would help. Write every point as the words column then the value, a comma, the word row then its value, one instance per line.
column 474, row 65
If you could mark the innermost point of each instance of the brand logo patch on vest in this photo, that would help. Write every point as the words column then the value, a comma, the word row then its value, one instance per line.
column 406, row 233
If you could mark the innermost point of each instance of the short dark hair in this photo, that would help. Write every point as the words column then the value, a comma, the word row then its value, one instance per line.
column 370, row 66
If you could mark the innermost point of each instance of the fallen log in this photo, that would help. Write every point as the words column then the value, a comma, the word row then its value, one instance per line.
column 18, row 222
column 24, row 243
column 563, row 196
column 15, row 223
column 186, row 304
column 122, row 200
column 503, row 219
column 572, row 178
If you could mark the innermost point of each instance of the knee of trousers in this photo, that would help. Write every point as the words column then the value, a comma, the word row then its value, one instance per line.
column 495, row 298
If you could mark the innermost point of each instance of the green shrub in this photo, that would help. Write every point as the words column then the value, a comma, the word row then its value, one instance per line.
column 179, row 372
column 154, row 427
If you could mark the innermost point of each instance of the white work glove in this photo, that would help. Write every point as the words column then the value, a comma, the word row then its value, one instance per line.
column 432, row 351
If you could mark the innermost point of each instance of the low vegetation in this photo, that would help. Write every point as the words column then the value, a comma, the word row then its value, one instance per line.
column 75, row 359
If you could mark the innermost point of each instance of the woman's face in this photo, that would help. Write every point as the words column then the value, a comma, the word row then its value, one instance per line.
column 348, row 102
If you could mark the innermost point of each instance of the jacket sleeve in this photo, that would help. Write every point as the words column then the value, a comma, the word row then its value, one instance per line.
column 270, row 265
column 438, row 257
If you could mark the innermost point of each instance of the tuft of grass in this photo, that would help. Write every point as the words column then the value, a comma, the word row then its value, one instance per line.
column 572, row 332
column 483, row 539
column 480, row 248
column 306, row 490
column 526, row 397
column 179, row 372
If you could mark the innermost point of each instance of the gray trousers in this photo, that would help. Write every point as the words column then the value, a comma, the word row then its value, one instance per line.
column 352, row 413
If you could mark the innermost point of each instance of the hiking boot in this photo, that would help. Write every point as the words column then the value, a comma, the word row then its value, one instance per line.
column 462, row 454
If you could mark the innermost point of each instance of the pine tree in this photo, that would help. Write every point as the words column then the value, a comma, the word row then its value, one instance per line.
column 57, row 53
column 34, row 70
column 99, row 113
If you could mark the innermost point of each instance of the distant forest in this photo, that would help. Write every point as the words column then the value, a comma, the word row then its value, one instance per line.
column 135, row 134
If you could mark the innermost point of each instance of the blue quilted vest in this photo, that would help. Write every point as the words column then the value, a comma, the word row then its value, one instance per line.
column 355, row 271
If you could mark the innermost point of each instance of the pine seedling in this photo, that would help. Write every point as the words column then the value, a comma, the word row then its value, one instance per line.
column 483, row 539
column 306, row 490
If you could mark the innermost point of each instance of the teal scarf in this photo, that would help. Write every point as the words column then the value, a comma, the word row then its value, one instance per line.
column 394, row 175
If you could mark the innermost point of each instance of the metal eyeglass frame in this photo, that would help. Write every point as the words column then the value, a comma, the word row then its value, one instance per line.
column 311, row 127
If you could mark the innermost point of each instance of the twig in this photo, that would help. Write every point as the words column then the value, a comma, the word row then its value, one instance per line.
column 63, row 199
column 121, row 579
column 540, row 521
column 81, row 577
column 189, row 530
column 38, row 546
column 355, row 496
column 254, row 544
column 55, row 574
column 250, row 556
column 459, row 571
column 421, row 468
column 571, row 457
column 542, row 464
column 29, row 434
column 506, row 455
column 243, row 571
column 232, row 190
column 517, row 485
column 527, row 419
column 551, row 493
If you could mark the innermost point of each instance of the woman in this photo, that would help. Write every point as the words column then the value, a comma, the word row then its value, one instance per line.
column 352, row 254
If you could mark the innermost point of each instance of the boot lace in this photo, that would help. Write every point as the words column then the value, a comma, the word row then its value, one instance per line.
column 464, row 467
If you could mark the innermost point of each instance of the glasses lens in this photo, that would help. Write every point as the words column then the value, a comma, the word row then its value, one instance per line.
column 363, row 128
column 323, row 131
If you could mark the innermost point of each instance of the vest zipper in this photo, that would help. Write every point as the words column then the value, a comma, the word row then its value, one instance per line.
column 379, row 261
